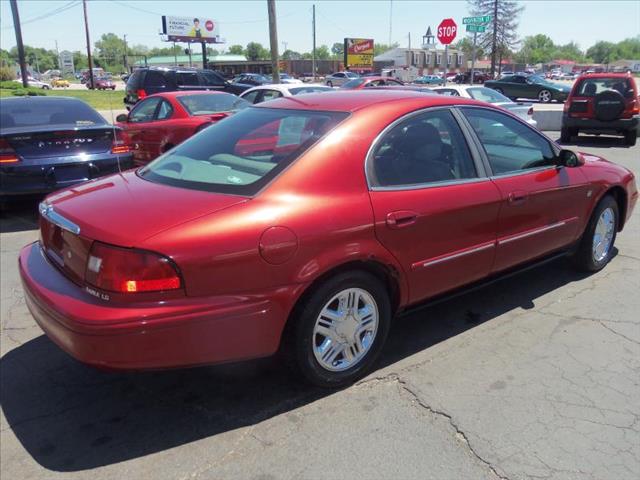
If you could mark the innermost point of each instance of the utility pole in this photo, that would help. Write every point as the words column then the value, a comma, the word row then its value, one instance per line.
column 16, row 27
column 390, row 21
column 58, row 54
column 204, row 55
column 284, row 46
column 273, row 40
column 175, row 55
column 313, row 51
column 473, row 56
column 126, row 54
column 86, row 29
column 494, row 43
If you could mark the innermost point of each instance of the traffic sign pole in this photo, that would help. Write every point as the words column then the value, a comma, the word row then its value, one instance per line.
column 473, row 57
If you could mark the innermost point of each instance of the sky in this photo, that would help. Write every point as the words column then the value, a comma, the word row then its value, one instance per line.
column 47, row 21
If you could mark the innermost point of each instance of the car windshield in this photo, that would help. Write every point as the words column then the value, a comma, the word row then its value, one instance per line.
column 355, row 83
column 37, row 112
column 301, row 90
column 212, row 103
column 590, row 87
column 243, row 153
column 538, row 80
column 351, row 75
column 486, row 95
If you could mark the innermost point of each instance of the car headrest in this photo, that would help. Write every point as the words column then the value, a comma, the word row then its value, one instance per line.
column 590, row 89
column 420, row 135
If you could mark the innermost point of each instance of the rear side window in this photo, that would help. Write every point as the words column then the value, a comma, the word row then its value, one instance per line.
column 251, row 96
column 590, row 87
column 32, row 112
column 212, row 79
column 189, row 79
column 243, row 153
column 425, row 148
column 155, row 79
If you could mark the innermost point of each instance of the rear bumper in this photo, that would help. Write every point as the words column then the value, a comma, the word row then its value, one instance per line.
column 592, row 124
column 150, row 335
column 36, row 179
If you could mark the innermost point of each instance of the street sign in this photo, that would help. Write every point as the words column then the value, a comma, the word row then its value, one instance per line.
column 477, row 20
column 447, row 31
column 476, row 28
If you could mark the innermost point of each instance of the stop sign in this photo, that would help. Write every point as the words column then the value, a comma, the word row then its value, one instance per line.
column 447, row 31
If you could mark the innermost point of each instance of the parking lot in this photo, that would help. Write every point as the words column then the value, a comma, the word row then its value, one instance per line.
column 535, row 376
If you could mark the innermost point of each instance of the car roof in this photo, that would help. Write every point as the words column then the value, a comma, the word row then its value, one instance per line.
column 352, row 101
column 182, row 93
column 283, row 87
column 605, row 75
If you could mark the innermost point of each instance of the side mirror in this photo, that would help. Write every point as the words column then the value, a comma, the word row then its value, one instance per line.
column 122, row 118
column 569, row 158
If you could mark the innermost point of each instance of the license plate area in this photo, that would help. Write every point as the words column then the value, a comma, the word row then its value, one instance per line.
column 70, row 173
column 65, row 249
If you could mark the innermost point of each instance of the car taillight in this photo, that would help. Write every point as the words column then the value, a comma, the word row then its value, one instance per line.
column 7, row 153
column 127, row 270
column 567, row 105
column 635, row 107
column 141, row 93
column 120, row 143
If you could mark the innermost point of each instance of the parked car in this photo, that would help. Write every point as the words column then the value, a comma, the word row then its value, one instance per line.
column 102, row 83
column 367, row 82
column 465, row 77
column 285, row 78
column 147, row 81
column 47, row 143
column 278, row 229
column 429, row 80
column 161, row 121
column 32, row 82
column 339, row 78
column 269, row 92
column 59, row 83
column 506, row 73
column 568, row 76
column 602, row 103
column 532, row 86
column 252, row 79
column 522, row 110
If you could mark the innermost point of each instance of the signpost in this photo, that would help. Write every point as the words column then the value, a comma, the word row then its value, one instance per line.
column 476, row 25
column 446, row 34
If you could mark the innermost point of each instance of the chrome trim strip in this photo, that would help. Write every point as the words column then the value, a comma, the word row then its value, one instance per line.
column 54, row 217
column 422, row 186
column 532, row 232
column 452, row 256
column 516, row 173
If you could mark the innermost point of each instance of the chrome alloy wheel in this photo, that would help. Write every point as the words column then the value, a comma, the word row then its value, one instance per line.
column 345, row 329
column 544, row 96
column 603, row 235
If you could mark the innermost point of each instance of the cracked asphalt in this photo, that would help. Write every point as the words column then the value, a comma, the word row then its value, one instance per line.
column 536, row 376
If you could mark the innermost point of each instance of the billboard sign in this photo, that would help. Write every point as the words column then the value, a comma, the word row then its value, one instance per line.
column 358, row 53
column 65, row 62
column 191, row 29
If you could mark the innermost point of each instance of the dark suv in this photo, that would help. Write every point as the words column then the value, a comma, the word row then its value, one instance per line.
column 602, row 103
column 147, row 81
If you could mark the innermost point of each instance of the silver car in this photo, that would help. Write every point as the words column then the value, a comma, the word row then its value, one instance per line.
column 339, row 78
column 484, row 94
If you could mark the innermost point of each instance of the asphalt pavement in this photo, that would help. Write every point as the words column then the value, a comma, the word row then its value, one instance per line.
column 532, row 377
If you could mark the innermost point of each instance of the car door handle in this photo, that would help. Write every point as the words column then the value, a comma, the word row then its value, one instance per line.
column 401, row 219
column 518, row 197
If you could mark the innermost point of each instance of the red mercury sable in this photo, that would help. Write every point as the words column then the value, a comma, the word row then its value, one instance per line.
column 304, row 225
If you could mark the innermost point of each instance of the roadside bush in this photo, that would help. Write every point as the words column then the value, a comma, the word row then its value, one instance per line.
column 7, row 73
column 10, row 85
column 33, row 92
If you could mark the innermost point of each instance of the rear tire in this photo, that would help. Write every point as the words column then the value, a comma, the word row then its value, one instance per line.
column 630, row 137
column 595, row 248
column 305, row 347
column 330, row 84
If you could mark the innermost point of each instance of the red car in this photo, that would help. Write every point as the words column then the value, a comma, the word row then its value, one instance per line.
column 606, row 103
column 363, row 82
column 103, row 83
column 306, row 224
column 164, row 120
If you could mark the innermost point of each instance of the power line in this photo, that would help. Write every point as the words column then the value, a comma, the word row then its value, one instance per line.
column 51, row 13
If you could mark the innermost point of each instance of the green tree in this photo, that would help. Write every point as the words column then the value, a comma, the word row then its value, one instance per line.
column 465, row 45
column 39, row 59
column 337, row 49
column 323, row 53
column 236, row 50
column 569, row 51
column 536, row 49
column 80, row 60
column 291, row 55
column 601, row 52
column 5, row 58
column 110, row 52
column 255, row 51
column 379, row 48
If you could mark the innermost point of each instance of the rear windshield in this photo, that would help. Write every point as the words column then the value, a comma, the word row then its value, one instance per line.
column 354, row 83
column 32, row 112
column 243, row 153
column 590, row 87
column 301, row 90
column 213, row 103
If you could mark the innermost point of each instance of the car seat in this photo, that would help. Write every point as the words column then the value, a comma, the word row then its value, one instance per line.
column 590, row 89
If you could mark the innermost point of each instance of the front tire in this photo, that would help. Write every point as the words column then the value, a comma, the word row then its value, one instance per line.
column 545, row 96
column 596, row 245
column 330, row 84
column 338, row 333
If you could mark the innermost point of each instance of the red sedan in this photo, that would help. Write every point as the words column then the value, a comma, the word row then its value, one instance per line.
column 164, row 120
column 364, row 82
column 306, row 224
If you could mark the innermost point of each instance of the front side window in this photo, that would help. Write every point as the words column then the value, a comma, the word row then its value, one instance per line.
column 425, row 148
column 243, row 153
column 511, row 146
column 145, row 110
column 212, row 79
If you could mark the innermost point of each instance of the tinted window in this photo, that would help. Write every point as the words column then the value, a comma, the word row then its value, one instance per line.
column 251, row 96
column 243, row 153
column 187, row 79
column 27, row 112
column 165, row 111
column 486, row 95
column 212, row 79
column 211, row 103
column 428, row 147
column 590, row 87
column 155, row 79
column 509, row 79
column 510, row 145
column 144, row 111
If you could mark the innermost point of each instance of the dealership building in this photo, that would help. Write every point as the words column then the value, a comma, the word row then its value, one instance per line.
column 426, row 60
